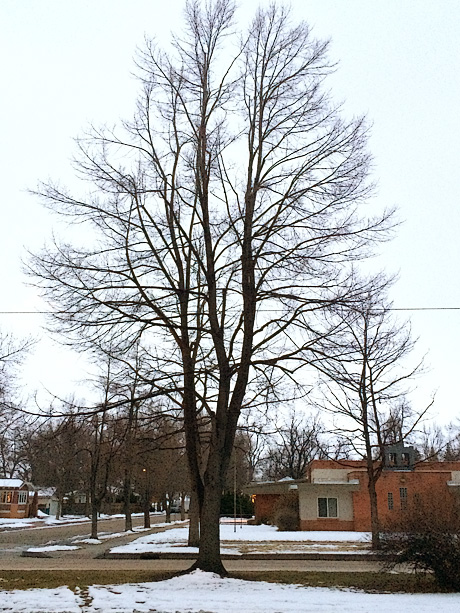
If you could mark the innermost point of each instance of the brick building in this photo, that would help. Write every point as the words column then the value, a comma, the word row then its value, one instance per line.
column 14, row 498
column 334, row 494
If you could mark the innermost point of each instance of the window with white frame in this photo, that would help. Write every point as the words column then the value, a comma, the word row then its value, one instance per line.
column 23, row 497
column 6, row 497
column 327, row 507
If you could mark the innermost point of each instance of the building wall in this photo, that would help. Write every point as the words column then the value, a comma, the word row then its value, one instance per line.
column 13, row 509
column 330, row 474
column 421, row 487
column 429, row 481
column 308, row 507
column 263, row 506
column 308, row 501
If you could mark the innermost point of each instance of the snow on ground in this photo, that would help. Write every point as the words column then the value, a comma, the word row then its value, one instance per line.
column 44, row 520
column 54, row 548
column 176, row 539
column 200, row 591
column 59, row 600
column 104, row 536
column 271, row 533
column 12, row 524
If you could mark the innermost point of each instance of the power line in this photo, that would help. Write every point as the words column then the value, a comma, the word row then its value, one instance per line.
column 261, row 310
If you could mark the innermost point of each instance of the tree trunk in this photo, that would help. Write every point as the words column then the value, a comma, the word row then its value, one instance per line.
column 375, row 524
column 167, row 508
column 33, row 507
column 94, row 517
column 182, row 506
column 127, row 500
column 194, row 522
column 59, row 506
column 146, row 502
column 209, row 559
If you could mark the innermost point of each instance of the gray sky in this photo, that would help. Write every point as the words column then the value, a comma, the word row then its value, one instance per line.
column 66, row 63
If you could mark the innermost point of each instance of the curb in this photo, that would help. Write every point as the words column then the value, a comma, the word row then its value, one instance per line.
column 330, row 557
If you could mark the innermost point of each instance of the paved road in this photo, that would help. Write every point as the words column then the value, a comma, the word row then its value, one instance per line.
column 13, row 542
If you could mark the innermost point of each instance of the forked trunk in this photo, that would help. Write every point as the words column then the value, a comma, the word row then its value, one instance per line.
column 209, row 559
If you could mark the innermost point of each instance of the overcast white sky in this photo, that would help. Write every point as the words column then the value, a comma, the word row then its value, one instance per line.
column 65, row 63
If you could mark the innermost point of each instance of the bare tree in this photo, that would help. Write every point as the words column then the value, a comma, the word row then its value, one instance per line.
column 129, row 388
column 56, row 453
column 12, row 353
column 226, row 213
column 367, row 380
column 14, row 428
column 297, row 442
column 13, row 423
column 105, row 438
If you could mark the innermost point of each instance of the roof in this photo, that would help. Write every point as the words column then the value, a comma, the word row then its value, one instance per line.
column 11, row 482
column 334, row 482
column 47, row 492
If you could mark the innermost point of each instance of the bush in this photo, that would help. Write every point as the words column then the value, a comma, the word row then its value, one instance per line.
column 285, row 514
column 244, row 505
column 427, row 537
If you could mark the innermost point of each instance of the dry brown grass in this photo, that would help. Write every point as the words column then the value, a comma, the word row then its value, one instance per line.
column 369, row 582
column 295, row 546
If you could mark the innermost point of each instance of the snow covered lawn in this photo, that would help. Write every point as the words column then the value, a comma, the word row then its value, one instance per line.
column 205, row 592
column 251, row 538
column 44, row 520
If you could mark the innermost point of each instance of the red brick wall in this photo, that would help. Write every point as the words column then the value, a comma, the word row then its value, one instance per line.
column 428, row 481
column 425, row 484
column 329, row 523
column 263, row 505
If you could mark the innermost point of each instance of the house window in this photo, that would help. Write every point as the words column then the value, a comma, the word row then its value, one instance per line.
column 22, row 498
column 405, row 459
column 403, row 497
column 327, row 507
column 392, row 459
column 390, row 501
column 6, row 497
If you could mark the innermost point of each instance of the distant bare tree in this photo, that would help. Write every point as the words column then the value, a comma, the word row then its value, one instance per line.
column 57, row 455
column 105, row 438
column 12, row 353
column 296, row 444
column 366, row 380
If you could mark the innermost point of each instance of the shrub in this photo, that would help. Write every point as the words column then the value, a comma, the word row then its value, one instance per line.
column 285, row 514
column 244, row 505
column 428, row 538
